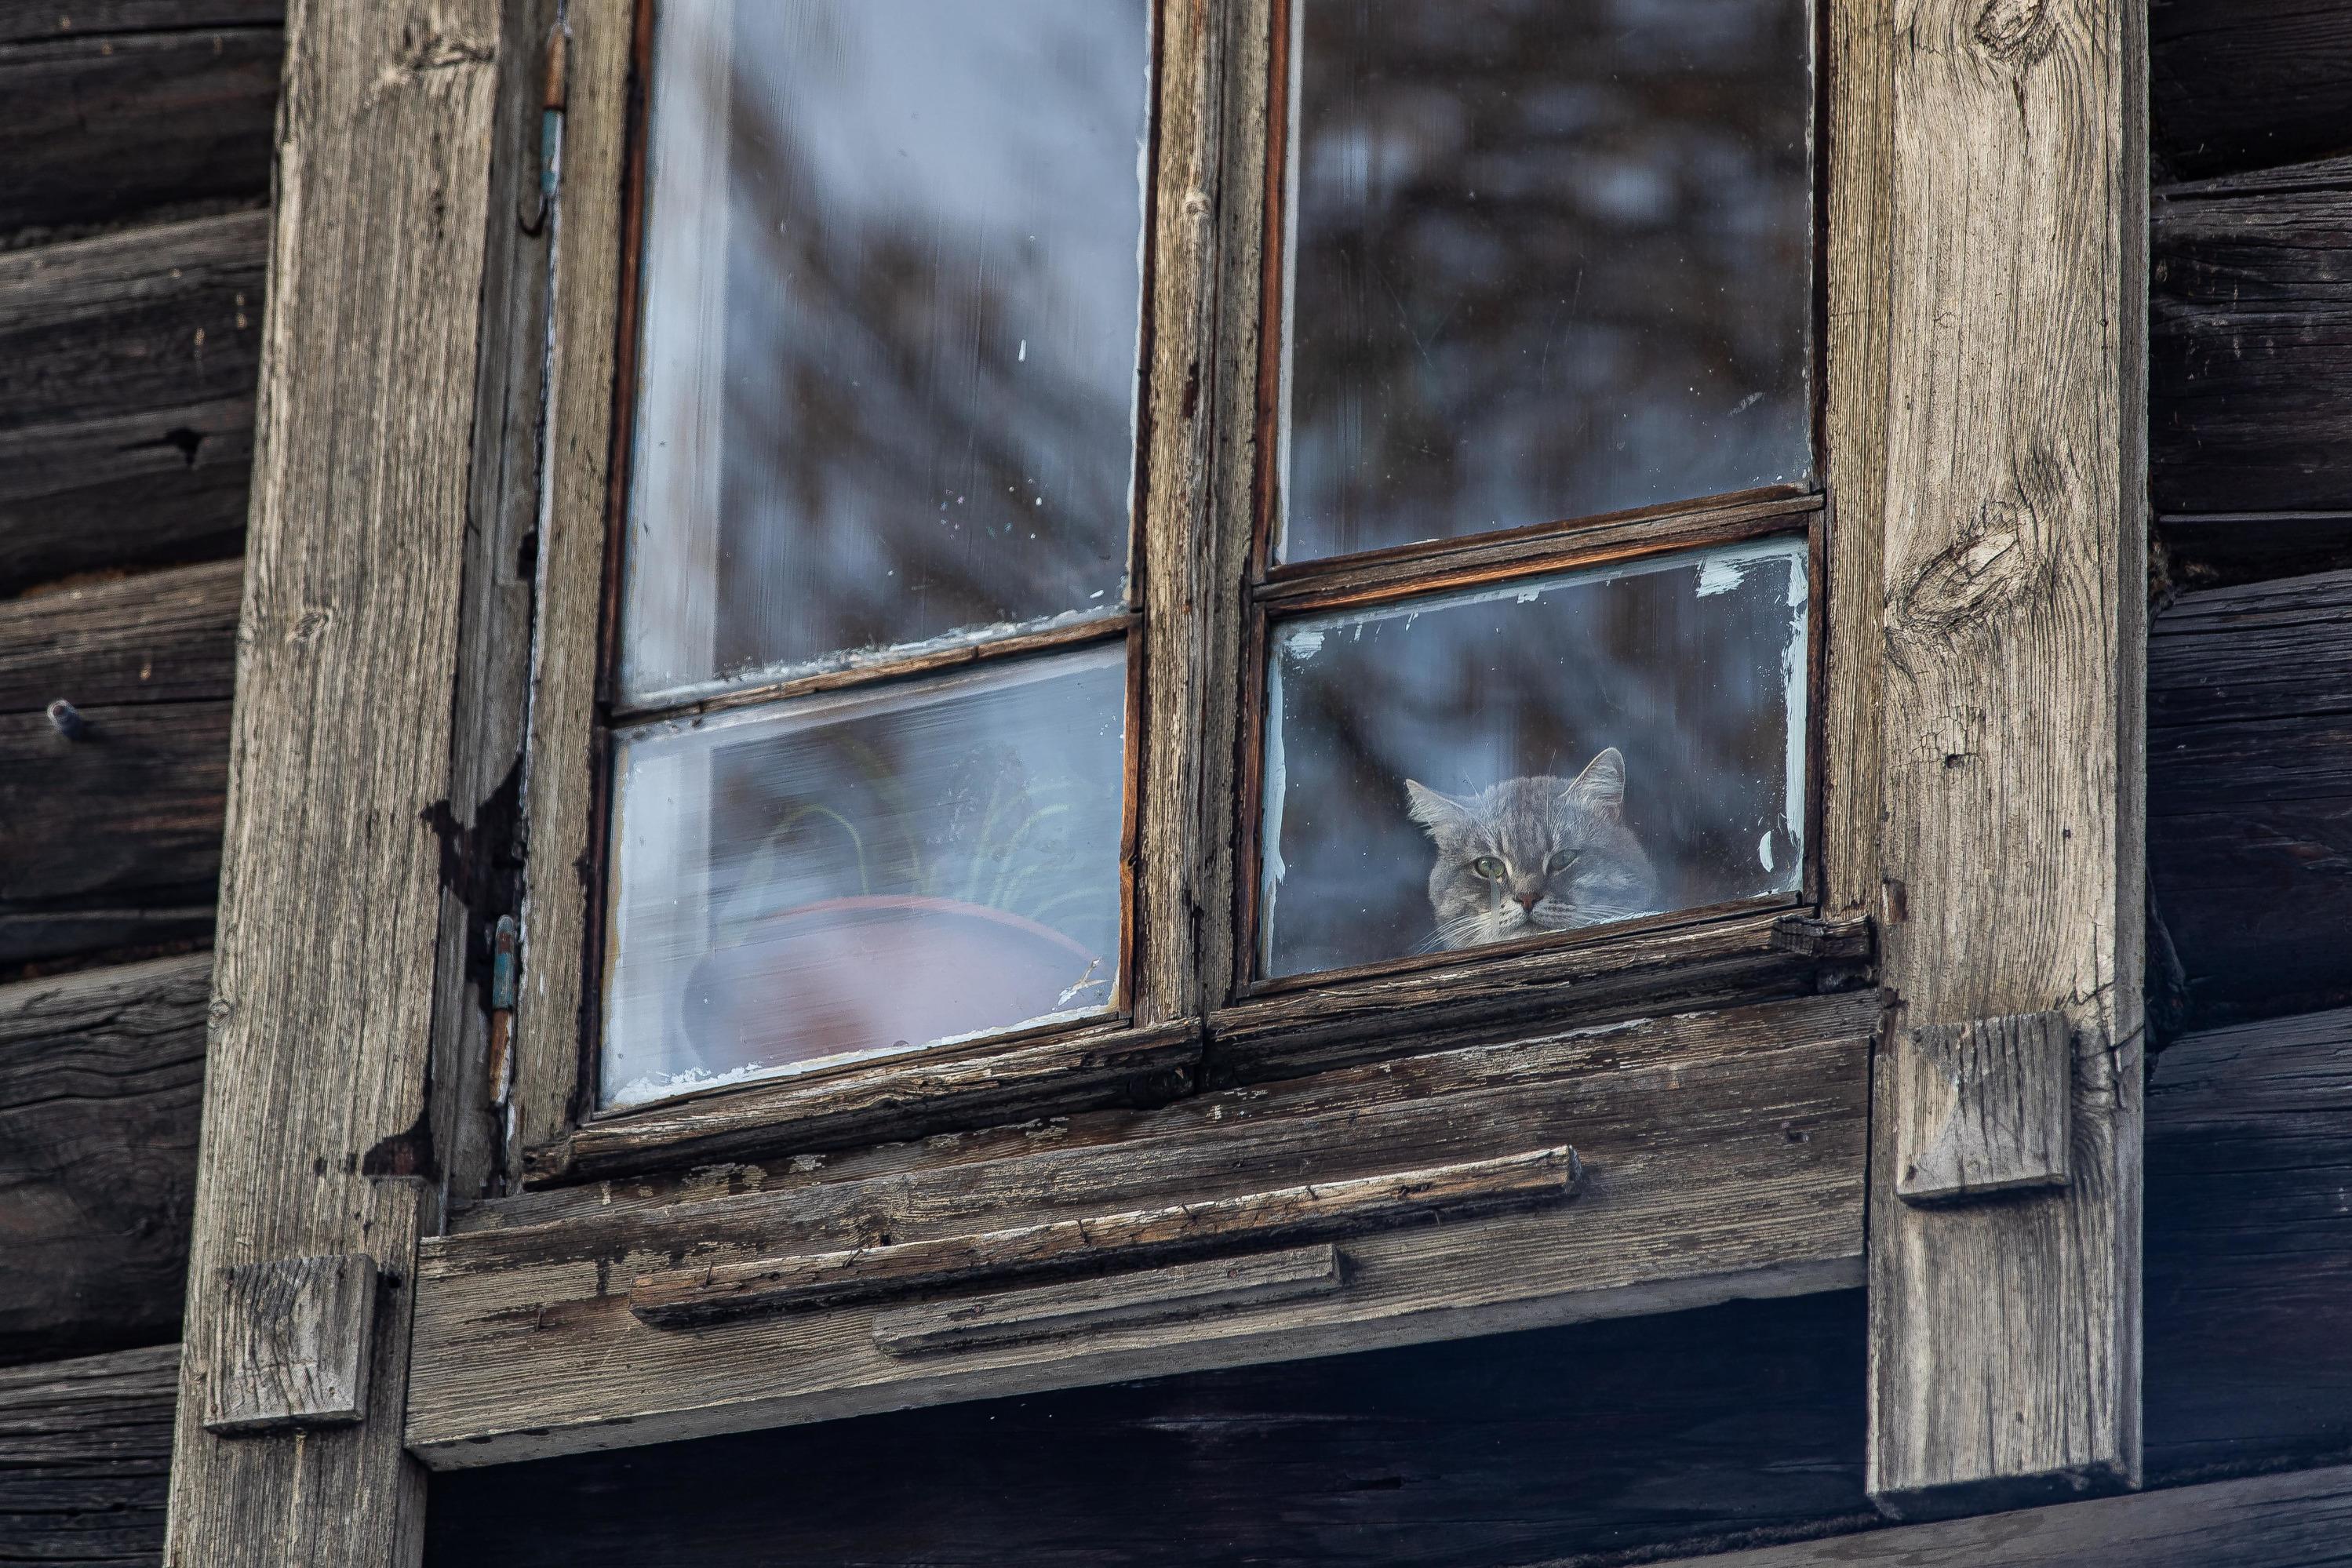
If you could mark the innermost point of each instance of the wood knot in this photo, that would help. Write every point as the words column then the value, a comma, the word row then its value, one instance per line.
column 2017, row 30
column 1968, row 581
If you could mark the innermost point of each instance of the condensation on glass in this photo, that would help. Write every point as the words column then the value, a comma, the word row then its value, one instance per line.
column 890, row 307
column 1546, row 259
column 1560, row 754
column 857, row 875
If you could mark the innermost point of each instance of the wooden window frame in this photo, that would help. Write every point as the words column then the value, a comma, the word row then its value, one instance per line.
column 1205, row 493
column 1984, row 465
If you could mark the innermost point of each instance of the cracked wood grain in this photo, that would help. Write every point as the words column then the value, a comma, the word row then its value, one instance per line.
column 2005, row 1338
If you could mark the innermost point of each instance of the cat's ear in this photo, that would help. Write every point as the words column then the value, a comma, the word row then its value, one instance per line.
column 1435, row 811
column 1602, row 785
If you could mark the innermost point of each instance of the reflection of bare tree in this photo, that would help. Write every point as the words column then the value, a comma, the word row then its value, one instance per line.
column 925, row 430
column 1551, row 261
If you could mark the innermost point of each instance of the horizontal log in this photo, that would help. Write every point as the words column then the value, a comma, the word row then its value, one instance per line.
column 2224, row 550
column 128, row 813
column 1723, row 1155
column 2250, row 793
column 1684, row 1433
column 101, row 1078
column 31, row 21
column 2298, row 1521
column 127, row 370
column 84, row 1448
column 683, row 1298
column 162, row 637
column 46, row 936
column 2250, row 335
column 133, row 122
column 2243, row 84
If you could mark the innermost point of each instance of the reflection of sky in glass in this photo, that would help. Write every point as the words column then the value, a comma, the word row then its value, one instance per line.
column 1551, row 258
column 893, row 285
column 793, row 876
column 1691, row 665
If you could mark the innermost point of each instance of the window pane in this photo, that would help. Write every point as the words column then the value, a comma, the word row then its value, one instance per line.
column 893, row 278
column 853, row 876
column 1553, row 755
column 1550, row 258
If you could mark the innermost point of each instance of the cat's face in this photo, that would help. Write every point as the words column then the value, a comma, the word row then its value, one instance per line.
column 1532, row 856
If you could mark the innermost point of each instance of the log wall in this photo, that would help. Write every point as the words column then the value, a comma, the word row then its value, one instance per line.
column 136, row 136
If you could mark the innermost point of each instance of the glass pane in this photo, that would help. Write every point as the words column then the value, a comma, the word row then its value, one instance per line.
column 1550, row 258
column 1553, row 755
column 893, row 278
column 849, row 877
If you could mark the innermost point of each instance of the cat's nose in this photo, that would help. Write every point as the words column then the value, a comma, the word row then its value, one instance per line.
column 1527, row 901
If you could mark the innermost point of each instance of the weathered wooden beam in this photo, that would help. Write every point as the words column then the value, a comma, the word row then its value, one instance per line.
column 2005, row 1338
column 162, row 637
column 294, row 1345
column 2250, row 793
column 1756, row 1112
column 684, row 1298
column 2250, row 322
column 84, row 1445
column 101, row 1076
column 127, row 368
column 2246, row 84
column 1177, row 1291
column 135, row 122
column 58, row 19
column 1985, row 1108
column 331, row 908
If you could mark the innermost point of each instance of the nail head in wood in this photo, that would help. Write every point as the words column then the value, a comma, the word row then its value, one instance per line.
column 297, row 1332
column 1983, row 1107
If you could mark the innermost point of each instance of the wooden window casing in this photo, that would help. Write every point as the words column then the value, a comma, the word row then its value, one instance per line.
column 1203, row 595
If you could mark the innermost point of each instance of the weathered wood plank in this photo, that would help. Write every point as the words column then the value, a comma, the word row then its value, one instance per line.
column 1984, row 1108
column 1148, row 1295
column 100, row 1078
column 31, row 21
column 2265, row 1521
column 2005, row 1338
column 2250, row 793
column 294, row 1354
column 136, row 122
column 1686, row 1432
column 347, row 667
column 154, row 318
column 166, row 637
column 1110, row 1066
column 1314, row 1027
column 683, row 1298
column 127, row 813
column 2250, row 1246
column 2246, row 84
column 2249, row 326
column 126, row 367
column 84, row 1445
column 1680, row 1122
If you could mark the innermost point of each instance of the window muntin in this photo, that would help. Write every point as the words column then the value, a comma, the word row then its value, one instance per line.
column 890, row 309
column 1546, row 259
column 1547, row 756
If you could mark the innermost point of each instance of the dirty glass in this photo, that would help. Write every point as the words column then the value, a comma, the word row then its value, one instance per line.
column 855, row 875
column 1549, row 259
column 890, row 308
column 1559, row 754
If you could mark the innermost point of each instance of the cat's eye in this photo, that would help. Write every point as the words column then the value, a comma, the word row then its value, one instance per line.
column 1560, row 862
column 1488, row 867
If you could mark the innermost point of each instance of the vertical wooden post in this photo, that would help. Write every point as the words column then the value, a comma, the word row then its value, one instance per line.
column 315, row 1140
column 2005, row 1332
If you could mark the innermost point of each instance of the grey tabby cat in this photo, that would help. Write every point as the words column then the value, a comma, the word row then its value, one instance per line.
column 1533, row 855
